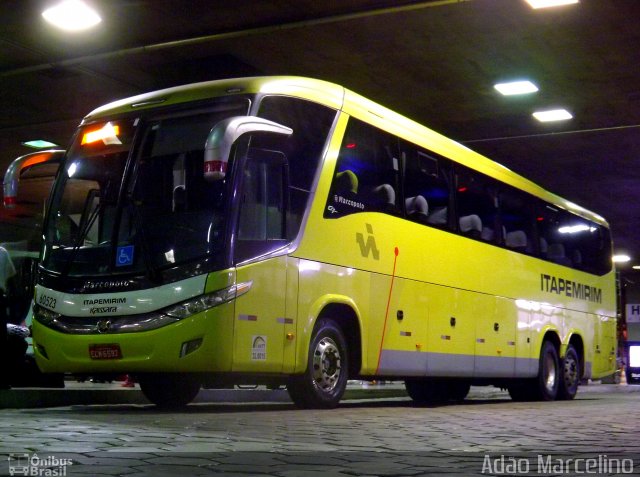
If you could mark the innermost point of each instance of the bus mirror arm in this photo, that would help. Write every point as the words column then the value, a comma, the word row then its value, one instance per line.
column 225, row 133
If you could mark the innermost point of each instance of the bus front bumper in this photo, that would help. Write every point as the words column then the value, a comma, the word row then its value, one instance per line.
column 200, row 343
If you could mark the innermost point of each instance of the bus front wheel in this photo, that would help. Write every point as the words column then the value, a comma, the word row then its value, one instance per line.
column 170, row 391
column 325, row 379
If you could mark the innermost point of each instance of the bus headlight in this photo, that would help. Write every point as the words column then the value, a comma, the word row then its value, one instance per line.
column 44, row 315
column 204, row 302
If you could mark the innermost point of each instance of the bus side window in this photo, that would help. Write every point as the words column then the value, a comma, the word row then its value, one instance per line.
column 476, row 203
column 311, row 123
column 516, row 220
column 426, row 187
column 366, row 176
column 573, row 241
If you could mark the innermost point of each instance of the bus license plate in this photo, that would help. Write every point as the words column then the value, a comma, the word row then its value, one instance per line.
column 105, row 351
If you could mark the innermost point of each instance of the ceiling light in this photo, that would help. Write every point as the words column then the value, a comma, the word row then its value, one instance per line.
column 552, row 115
column 516, row 87
column 39, row 144
column 636, row 267
column 72, row 15
column 549, row 3
column 621, row 258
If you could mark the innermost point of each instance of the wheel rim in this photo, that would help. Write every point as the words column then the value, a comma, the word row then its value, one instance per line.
column 326, row 364
column 549, row 372
column 570, row 371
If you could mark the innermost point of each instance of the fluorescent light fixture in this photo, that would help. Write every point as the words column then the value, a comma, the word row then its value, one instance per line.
column 621, row 258
column 516, row 87
column 634, row 356
column 72, row 15
column 636, row 267
column 549, row 3
column 552, row 115
column 576, row 229
column 39, row 144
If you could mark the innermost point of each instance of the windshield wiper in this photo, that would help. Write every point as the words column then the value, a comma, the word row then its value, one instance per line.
column 85, row 227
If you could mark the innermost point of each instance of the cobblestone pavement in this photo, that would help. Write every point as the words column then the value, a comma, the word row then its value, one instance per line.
column 381, row 437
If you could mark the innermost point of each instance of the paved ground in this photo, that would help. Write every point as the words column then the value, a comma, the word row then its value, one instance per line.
column 365, row 437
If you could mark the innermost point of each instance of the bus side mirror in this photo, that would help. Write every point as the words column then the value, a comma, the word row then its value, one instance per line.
column 22, row 163
column 224, row 134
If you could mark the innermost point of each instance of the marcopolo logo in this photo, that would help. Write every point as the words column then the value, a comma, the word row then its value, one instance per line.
column 368, row 247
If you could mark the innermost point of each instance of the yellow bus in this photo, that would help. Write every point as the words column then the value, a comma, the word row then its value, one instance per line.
column 285, row 230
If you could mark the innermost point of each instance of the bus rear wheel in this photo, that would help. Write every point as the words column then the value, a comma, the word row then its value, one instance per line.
column 570, row 374
column 323, row 383
column 546, row 385
column 169, row 391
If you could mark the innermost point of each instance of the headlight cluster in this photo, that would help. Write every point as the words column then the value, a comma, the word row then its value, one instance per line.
column 44, row 315
column 140, row 322
column 204, row 302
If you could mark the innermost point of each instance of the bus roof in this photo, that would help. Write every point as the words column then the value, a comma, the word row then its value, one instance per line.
column 338, row 97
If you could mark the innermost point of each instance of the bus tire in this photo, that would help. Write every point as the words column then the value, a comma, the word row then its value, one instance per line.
column 426, row 391
column 323, row 383
column 169, row 391
column 458, row 390
column 570, row 374
column 549, row 378
column 545, row 387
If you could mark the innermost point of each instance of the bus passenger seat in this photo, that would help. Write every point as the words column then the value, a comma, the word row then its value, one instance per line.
column 557, row 254
column 417, row 208
column 576, row 258
column 487, row 234
column 346, row 182
column 544, row 247
column 471, row 225
column 438, row 216
column 517, row 240
column 385, row 198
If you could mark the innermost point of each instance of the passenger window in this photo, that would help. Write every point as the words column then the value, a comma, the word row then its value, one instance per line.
column 426, row 187
column 476, row 205
column 366, row 175
column 573, row 241
column 516, row 221
column 311, row 123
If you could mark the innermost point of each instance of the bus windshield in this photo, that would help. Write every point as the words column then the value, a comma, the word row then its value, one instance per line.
column 117, row 212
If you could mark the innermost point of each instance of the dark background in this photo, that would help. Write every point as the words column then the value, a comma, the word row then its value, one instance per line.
column 433, row 61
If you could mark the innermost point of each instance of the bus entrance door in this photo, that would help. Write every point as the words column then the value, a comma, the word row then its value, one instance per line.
column 260, row 317
column 259, row 253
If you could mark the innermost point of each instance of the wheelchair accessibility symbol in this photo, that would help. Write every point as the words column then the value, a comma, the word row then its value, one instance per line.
column 124, row 256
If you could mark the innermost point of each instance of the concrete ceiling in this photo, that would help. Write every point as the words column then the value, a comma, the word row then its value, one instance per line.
column 433, row 61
